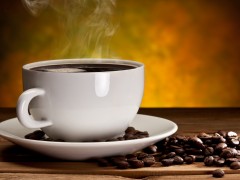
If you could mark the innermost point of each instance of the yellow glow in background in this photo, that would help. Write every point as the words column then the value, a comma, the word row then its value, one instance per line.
column 191, row 49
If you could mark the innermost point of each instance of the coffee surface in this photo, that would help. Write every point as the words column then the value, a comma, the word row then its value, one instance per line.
column 81, row 68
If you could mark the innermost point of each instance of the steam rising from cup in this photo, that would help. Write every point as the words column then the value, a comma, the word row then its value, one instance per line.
column 89, row 24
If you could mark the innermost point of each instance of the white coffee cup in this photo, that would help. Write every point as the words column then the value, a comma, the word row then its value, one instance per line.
column 82, row 106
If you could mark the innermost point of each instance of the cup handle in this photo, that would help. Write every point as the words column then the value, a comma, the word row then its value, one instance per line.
column 22, row 109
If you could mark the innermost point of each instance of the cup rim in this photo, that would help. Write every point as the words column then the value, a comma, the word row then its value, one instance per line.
column 82, row 61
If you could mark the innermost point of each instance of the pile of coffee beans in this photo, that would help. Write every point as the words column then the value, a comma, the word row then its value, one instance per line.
column 130, row 133
column 217, row 149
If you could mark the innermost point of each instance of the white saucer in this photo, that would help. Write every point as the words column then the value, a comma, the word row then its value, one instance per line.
column 158, row 129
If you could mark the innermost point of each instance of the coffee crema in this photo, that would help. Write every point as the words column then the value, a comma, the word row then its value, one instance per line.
column 81, row 68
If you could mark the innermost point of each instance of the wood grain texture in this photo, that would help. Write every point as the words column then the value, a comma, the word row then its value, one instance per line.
column 29, row 176
column 17, row 162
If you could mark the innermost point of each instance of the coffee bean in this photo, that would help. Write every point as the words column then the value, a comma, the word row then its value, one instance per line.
column 143, row 134
column 222, row 140
column 151, row 149
column 171, row 155
column 129, row 136
column 231, row 134
column 204, row 136
column 233, row 142
column 141, row 155
column 131, row 156
column 231, row 160
column 208, row 161
column 179, row 151
column 36, row 135
column 173, row 140
column 219, row 162
column 110, row 140
column 167, row 162
column 190, row 159
column 235, row 165
column 148, row 161
column 195, row 141
column 228, row 153
column 29, row 136
column 120, row 139
column 218, row 173
column 208, row 151
column 220, row 147
column 222, row 133
column 102, row 162
column 218, row 139
column 122, row 164
column 181, row 139
column 136, row 163
column 178, row 160
column 116, row 159
column 130, row 130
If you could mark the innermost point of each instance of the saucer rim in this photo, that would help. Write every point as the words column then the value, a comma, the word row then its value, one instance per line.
column 174, row 128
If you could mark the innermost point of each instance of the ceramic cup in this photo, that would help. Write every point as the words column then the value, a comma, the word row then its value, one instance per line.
column 80, row 106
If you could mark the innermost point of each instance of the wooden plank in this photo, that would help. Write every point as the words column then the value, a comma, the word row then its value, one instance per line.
column 93, row 169
column 21, row 176
column 192, row 177
column 26, row 176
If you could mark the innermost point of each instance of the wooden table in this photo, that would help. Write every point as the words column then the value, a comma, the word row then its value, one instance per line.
column 20, row 163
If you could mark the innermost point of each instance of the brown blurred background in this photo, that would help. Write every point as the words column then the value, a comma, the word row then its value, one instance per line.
column 191, row 48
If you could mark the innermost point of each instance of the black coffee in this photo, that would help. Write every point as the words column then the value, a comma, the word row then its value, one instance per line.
column 77, row 68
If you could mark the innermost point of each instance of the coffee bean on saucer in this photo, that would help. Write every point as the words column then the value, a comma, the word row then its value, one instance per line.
column 110, row 140
column 120, row 139
column 130, row 130
column 235, row 165
column 218, row 173
column 36, row 135
column 141, row 134
column 129, row 136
